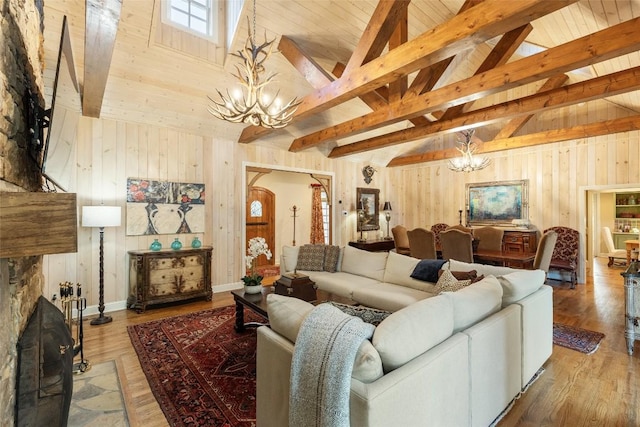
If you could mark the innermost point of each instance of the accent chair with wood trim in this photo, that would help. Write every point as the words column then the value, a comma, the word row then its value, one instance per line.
column 422, row 243
column 456, row 244
column 489, row 238
column 437, row 229
column 545, row 251
column 612, row 252
column 401, row 240
column 565, row 253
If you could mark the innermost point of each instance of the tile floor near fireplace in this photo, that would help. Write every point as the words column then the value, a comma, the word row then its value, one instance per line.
column 97, row 398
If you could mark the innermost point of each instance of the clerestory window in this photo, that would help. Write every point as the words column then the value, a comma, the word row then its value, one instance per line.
column 194, row 15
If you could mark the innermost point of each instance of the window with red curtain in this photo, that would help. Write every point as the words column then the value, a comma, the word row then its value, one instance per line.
column 317, row 220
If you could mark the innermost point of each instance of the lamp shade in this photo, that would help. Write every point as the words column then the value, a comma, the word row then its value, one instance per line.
column 101, row 216
column 387, row 206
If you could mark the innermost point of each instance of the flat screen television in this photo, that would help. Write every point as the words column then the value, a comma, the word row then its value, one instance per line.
column 62, row 115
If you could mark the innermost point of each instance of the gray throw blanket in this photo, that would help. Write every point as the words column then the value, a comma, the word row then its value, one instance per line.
column 321, row 368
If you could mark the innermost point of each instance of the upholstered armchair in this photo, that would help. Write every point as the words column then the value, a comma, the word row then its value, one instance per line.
column 565, row 253
column 612, row 252
column 422, row 243
column 456, row 244
column 437, row 228
column 401, row 240
column 489, row 238
column 545, row 251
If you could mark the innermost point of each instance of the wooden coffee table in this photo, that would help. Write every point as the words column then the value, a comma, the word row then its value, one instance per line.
column 258, row 304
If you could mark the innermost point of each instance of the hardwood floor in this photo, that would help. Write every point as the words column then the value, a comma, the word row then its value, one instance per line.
column 601, row 389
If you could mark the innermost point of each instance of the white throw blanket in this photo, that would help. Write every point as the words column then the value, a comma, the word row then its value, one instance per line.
column 321, row 368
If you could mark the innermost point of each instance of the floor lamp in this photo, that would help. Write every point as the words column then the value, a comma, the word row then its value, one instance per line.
column 101, row 217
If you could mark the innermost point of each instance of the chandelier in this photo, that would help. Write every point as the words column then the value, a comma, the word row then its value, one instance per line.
column 466, row 162
column 251, row 104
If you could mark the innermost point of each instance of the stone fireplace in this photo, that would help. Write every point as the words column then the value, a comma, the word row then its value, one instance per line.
column 21, row 279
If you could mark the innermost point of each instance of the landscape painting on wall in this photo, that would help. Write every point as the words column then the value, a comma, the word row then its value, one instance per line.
column 163, row 207
column 498, row 203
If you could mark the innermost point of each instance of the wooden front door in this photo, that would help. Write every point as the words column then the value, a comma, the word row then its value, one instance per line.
column 261, row 205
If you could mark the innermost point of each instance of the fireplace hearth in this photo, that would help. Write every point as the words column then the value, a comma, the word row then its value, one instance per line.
column 45, row 369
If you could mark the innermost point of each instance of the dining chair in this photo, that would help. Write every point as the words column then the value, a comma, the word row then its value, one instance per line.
column 545, row 251
column 565, row 253
column 401, row 240
column 456, row 244
column 489, row 238
column 437, row 228
column 422, row 243
column 613, row 253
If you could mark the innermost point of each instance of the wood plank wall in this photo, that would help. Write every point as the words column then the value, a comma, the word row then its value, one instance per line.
column 110, row 151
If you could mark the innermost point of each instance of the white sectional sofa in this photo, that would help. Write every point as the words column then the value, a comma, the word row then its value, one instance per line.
column 453, row 359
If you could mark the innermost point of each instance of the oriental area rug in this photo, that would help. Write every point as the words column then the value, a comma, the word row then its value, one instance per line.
column 582, row 340
column 201, row 371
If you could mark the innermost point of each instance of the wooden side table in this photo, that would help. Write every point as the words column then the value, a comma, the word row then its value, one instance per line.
column 378, row 245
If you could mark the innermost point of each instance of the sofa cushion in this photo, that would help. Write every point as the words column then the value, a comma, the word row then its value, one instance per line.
column 389, row 297
column 520, row 284
column 427, row 269
column 286, row 314
column 475, row 302
column 289, row 258
column 285, row 317
column 463, row 275
column 409, row 332
column 398, row 271
column 447, row 282
column 364, row 263
column 339, row 283
column 331, row 257
column 482, row 269
column 311, row 258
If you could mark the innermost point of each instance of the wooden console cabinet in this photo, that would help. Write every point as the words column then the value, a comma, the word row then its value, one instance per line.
column 158, row 277
column 520, row 241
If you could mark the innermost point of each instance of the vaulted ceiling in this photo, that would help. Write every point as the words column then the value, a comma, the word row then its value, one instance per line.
column 389, row 82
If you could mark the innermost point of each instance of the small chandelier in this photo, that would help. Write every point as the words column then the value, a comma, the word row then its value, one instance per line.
column 468, row 163
column 252, row 105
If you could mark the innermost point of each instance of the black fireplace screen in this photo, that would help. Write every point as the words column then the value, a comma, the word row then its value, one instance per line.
column 45, row 369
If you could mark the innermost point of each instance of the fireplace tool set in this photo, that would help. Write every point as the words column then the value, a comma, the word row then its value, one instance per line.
column 68, row 299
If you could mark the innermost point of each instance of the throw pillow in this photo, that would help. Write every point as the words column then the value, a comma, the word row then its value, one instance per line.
column 427, row 270
column 367, row 314
column 311, row 258
column 464, row 275
column 448, row 283
column 331, row 256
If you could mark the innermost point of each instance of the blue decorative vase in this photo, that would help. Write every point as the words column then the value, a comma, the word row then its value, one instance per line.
column 176, row 245
column 156, row 245
column 196, row 243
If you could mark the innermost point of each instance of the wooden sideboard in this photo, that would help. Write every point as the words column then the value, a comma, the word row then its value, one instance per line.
column 158, row 277
column 520, row 241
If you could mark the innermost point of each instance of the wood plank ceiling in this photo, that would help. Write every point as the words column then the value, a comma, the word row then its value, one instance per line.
column 393, row 82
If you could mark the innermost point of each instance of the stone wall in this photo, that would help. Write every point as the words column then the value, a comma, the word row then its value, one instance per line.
column 20, row 279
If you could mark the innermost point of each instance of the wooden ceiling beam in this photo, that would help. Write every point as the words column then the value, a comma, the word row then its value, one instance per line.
column 499, row 55
column 375, row 37
column 600, row 46
column 608, row 127
column 599, row 87
column 101, row 26
column 516, row 124
column 470, row 28
column 398, row 87
column 305, row 64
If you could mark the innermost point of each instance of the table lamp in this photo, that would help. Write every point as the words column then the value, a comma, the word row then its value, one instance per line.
column 387, row 215
column 101, row 217
column 361, row 220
